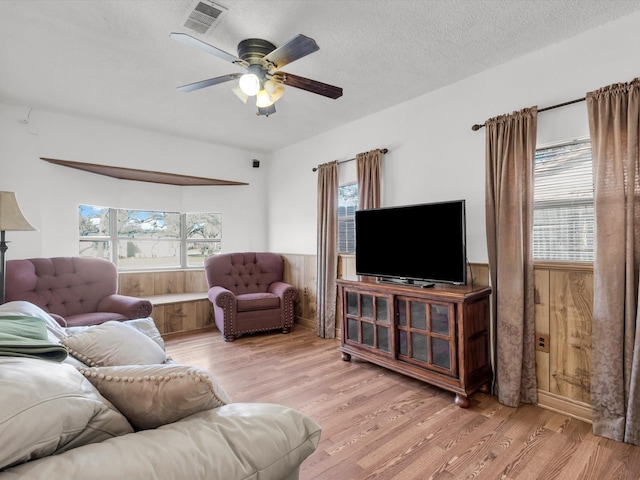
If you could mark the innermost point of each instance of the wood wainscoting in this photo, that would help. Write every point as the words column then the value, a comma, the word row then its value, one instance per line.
column 179, row 298
column 301, row 272
column 564, row 314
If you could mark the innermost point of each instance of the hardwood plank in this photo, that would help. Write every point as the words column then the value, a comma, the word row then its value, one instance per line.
column 378, row 424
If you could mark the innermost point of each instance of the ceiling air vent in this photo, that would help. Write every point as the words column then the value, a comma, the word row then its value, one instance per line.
column 204, row 16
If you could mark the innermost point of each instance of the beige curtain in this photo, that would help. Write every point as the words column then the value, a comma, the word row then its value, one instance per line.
column 327, row 260
column 510, row 153
column 368, row 166
column 615, row 365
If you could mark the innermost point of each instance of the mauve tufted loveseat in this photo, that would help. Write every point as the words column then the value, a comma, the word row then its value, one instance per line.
column 248, row 294
column 76, row 291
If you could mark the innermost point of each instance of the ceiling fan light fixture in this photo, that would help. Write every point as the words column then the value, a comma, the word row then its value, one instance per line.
column 249, row 83
column 263, row 100
column 240, row 94
column 274, row 89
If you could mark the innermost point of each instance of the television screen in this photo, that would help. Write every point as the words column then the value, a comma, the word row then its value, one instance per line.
column 424, row 243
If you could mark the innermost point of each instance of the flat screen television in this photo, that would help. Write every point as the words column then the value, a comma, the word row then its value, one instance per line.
column 416, row 244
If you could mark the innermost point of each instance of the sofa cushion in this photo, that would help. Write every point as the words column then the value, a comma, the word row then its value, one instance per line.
column 248, row 441
column 48, row 407
column 257, row 301
column 154, row 395
column 113, row 343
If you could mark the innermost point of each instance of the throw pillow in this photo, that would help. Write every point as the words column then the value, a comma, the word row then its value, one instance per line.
column 113, row 343
column 154, row 395
column 47, row 408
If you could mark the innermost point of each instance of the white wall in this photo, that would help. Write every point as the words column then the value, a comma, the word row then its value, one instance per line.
column 49, row 194
column 433, row 153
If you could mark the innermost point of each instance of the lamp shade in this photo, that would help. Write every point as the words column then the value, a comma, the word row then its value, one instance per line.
column 11, row 217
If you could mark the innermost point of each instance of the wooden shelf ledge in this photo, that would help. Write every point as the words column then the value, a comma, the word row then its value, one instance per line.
column 141, row 175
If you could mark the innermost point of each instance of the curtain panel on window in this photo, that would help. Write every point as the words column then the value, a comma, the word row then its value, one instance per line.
column 510, row 152
column 368, row 166
column 614, row 118
column 327, row 260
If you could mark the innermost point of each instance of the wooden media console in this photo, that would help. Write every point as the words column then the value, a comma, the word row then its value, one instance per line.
column 439, row 335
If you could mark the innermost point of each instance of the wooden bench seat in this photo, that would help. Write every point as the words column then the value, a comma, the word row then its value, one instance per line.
column 179, row 298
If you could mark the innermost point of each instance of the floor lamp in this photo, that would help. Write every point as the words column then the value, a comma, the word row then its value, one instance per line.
column 11, row 219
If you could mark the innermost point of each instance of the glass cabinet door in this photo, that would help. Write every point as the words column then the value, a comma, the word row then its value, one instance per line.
column 426, row 334
column 367, row 318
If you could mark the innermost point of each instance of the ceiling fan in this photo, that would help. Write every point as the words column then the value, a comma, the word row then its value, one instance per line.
column 263, row 62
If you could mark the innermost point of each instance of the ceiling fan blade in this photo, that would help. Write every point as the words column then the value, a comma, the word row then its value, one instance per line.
column 207, row 83
column 205, row 47
column 312, row 86
column 296, row 48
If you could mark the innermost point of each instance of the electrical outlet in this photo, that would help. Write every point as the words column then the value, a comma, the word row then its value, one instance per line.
column 542, row 342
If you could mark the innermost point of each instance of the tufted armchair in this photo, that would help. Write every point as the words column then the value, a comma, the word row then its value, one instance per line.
column 76, row 291
column 248, row 294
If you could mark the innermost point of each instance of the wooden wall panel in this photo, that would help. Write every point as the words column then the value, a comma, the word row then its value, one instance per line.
column 168, row 282
column 310, row 304
column 195, row 281
column 179, row 317
column 294, row 274
column 300, row 271
column 204, row 314
column 478, row 273
column 347, row 268
column 158, row 318
column 146, row 284
column 571, row 311
column 542, row 311
column 135, row 284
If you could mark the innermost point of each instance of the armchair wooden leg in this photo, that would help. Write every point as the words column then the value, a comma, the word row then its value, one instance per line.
column 229, row 338
column 286, row 330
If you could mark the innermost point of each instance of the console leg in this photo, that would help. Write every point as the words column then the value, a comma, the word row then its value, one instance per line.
column 346, row 357
column 485, row 388
column 462, row 401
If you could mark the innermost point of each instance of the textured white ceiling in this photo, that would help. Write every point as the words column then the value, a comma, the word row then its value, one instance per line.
column 113, row 59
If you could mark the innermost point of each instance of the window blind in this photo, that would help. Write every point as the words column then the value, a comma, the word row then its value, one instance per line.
column 563, row 203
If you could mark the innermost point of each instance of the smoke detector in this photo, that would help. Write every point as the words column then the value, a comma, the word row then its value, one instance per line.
column 204, row 16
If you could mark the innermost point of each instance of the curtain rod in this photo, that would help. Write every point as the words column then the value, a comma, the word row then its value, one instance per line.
column 477, row 127
column 383, row 150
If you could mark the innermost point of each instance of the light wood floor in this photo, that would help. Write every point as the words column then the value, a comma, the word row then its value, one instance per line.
column 378, row 424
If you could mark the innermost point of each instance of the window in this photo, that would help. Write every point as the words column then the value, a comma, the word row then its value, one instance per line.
column 563, row 203
column 145, row 239
column 347, row 205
